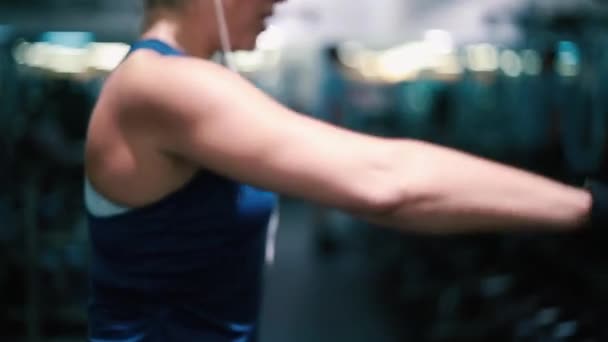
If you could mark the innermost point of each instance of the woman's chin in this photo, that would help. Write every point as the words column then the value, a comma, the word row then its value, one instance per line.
column 245, row 45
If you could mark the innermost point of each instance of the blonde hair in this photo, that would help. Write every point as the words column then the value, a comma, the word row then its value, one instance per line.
column 152, row 4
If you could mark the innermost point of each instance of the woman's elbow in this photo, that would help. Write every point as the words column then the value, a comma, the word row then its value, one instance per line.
column 394, row 186
column 376, row 203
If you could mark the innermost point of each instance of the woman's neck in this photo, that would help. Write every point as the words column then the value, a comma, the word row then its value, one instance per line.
column 169, row 28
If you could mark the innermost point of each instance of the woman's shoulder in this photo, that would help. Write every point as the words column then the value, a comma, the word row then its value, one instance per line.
column 144, row 67
column 148, row 79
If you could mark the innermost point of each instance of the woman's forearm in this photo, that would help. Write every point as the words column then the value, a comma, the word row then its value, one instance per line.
column 452, row 192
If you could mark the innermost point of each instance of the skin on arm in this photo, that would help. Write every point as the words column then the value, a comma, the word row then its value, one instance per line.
column 460, row 192
column 203, row 113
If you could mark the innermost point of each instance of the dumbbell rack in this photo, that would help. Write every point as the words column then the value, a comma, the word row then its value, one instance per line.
column 48, row 289
column 30, row 213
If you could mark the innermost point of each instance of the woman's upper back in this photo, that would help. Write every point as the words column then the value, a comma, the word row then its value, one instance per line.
column 193, row 256
column 123, row 158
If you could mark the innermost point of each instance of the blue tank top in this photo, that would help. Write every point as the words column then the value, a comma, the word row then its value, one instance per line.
column 186, row 268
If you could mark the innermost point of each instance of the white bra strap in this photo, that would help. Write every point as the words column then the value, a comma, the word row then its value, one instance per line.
column 98, row 205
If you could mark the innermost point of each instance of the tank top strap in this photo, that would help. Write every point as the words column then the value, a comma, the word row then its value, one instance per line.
column 156, row 45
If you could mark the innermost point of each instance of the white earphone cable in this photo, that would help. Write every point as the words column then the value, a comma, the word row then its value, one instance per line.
column 224, row 35
column 273, row 224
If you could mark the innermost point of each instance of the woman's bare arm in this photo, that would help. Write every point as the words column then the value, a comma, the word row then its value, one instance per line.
column 456, row 191
column 216, row 119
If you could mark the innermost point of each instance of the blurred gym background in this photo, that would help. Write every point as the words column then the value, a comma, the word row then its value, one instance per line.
column 520, row 81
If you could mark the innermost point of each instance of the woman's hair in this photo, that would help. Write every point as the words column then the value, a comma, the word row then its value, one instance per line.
column 152, row 4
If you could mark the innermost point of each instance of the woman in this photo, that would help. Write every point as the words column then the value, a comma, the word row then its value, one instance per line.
column 177, row 235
